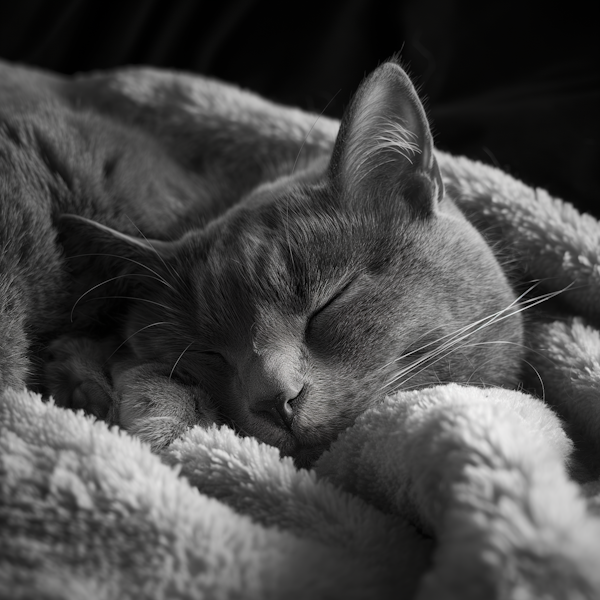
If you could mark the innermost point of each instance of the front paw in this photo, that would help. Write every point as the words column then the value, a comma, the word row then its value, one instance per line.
column 156, row 408
column 75, row 378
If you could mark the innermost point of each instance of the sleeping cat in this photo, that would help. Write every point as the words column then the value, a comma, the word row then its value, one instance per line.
column 316, row 284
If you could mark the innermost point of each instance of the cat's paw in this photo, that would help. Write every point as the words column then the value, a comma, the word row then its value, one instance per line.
column 156, row 408
column 75, row 378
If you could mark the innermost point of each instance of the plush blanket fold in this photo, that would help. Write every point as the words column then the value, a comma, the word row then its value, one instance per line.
column 449, row 492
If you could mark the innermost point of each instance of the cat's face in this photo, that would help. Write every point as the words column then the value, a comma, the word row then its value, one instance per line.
column 302, row 313
column 318, row 295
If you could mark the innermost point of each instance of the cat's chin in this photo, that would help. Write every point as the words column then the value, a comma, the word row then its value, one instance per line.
column 304, row 458
column 304, row 452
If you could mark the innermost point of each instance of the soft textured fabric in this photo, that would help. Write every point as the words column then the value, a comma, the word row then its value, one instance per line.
column 449, row 492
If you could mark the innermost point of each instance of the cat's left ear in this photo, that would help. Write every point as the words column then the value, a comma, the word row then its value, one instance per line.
column 385, row 145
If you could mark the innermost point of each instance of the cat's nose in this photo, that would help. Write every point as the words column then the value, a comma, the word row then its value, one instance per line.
column 279, row 407
column 271, row 383
column 284, row 406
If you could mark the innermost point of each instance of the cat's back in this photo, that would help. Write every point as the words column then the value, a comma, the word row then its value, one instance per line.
column 56, row 159
column 81, row 162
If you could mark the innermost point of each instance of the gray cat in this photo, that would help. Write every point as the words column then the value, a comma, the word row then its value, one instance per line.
column 279, row 293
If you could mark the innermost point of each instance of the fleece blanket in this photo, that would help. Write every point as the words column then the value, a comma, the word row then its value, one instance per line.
column 448, row 492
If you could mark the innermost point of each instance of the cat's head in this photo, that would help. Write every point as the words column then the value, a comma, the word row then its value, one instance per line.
column 321, row 292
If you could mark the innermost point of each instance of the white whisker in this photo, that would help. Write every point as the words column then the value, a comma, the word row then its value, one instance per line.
column 529, row 349
column 311, row 128
column 135, row 333
column 162, row 260
column 158, row 276
column 539, row 377
column 108, row 281
column 452, row 341
column 488, row 318
column 429, row 361
column 179, row 358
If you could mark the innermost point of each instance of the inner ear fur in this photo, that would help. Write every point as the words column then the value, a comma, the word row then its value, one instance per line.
column 385, row 145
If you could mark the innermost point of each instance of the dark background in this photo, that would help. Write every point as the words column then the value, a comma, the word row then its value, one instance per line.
column 515, row 84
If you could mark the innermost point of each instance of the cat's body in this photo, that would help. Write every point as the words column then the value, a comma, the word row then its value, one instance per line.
column 310, row 282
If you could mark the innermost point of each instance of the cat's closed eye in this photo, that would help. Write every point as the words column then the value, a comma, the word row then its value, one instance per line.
column 330, row 302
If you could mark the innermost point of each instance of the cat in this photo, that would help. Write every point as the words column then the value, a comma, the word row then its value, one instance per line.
column 282, row 295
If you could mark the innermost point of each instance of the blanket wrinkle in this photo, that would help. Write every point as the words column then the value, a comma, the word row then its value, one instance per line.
column 492, row 507
column 142, row 528
column 276, row 494
column 450, row 492
column 569, row 365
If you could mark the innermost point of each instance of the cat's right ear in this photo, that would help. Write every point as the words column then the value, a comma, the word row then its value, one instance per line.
column 384, row 148
column 85, row 238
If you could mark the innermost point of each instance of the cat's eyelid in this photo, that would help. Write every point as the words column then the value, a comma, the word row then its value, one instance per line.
column 333, row 298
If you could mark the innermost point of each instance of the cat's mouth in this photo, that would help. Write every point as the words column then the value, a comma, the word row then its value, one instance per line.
column 292, row 440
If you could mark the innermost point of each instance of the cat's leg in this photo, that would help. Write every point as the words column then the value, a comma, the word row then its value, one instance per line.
column 155, row 407
column 142, row 398
column 77, row 377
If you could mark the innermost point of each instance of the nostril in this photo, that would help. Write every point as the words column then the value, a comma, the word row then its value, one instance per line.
column 280, row 408
column 286, row 404
column 286, row 412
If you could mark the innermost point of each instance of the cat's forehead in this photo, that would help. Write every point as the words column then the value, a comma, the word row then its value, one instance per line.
column 291, row 247
column 274, row 253
column 274, row 220
column 313, row 219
